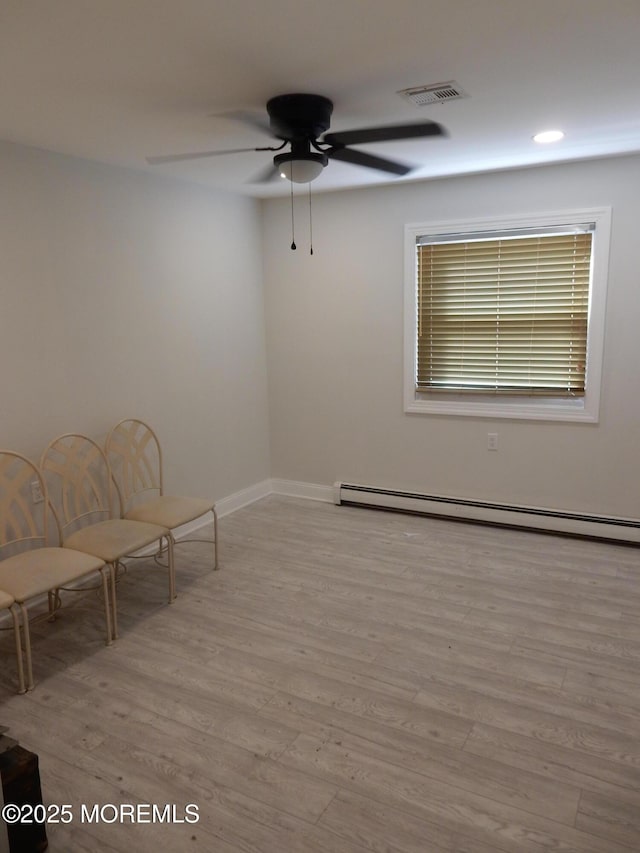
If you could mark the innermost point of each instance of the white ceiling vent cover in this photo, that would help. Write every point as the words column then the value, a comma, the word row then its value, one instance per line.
column 437, row 93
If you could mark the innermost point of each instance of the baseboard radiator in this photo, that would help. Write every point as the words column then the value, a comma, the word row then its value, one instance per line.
column 486, row 512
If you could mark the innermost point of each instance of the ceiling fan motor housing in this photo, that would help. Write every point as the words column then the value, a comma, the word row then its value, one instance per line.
column 299, row 116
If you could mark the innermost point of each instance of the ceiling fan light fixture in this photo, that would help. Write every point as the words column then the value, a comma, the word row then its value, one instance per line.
column 300, row 168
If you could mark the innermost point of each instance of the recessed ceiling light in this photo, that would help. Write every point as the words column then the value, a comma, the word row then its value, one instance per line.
column 548, row 136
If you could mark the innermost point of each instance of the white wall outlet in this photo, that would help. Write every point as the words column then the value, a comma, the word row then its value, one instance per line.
column 36, row 492
column 492, row 441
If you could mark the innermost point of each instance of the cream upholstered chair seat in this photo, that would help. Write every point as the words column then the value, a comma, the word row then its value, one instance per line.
column 170, row 510
column 112, row 539
column 135, row 457
column 6, row 600
column 29, row 564
column 36, row 572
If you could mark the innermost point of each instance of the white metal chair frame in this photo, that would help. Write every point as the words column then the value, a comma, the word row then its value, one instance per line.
column 87, row 503
column 30, row 525
column 131, row 446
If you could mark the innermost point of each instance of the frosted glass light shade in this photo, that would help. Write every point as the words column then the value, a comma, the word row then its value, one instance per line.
column 301, row 169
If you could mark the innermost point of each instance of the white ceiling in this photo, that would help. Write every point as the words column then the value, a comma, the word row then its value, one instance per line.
column 117, row 80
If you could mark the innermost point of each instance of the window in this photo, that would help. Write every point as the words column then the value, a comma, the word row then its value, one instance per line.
column 505, row 318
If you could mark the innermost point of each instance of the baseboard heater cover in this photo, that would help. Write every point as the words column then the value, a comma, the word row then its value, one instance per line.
column 507, row 515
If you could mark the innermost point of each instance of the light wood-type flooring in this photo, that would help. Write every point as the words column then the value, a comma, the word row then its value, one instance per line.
column 350, row 681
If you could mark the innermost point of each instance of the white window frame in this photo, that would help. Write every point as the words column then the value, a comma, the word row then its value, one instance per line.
column 583, row 409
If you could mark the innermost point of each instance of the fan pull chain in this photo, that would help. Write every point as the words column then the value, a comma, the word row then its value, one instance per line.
column 293, row 233
column 310, row 224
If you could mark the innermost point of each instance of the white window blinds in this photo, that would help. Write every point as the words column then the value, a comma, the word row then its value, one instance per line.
column 504, row 313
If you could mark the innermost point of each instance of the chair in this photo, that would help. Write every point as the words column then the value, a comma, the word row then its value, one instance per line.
column 135, row 457
column 29, row 564
column 81, row 490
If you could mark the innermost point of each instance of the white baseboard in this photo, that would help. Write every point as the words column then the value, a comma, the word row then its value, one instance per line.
column 288, row 488
column 243, row 498
column 295, row 489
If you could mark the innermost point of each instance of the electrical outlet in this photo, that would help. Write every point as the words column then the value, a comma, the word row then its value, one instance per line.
column 36, row 492
column 492, row 441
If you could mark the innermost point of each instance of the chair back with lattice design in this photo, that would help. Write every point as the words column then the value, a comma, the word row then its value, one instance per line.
column 23, row 521
column 135, row 459
column 78, row 479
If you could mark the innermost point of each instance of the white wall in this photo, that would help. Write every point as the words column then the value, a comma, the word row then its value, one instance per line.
column 334, row 333
column 126, row 295
column 123, row 294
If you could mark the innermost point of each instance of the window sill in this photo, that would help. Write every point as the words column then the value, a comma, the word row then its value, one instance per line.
column 576, row 411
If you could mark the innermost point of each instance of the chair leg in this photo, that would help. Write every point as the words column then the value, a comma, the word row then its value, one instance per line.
column 104, row 571
column 27, row 646
column 52, row 606
column 16, row 631
column 172, row 572
column 114, row 607
column 215, row 537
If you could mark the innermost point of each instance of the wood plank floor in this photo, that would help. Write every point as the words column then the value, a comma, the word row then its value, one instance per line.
column 349, row 681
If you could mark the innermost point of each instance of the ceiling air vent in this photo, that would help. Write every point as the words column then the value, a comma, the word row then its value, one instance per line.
column 437, row 93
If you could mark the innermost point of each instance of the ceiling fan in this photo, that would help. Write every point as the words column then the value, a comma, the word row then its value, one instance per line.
column 299, row 121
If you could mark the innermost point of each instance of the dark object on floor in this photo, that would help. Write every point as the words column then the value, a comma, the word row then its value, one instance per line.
column 21, row 786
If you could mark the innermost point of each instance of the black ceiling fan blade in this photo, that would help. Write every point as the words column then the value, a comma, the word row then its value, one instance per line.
column 359, row 158
column 384, row 134
column 176, row 158
column 265, row 176
column 246, row 117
